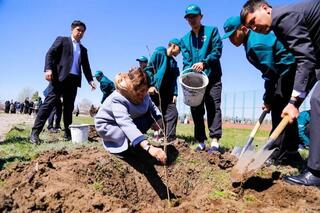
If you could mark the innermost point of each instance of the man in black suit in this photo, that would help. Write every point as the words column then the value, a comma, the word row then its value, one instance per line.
column 298, row 28
column 63, row 65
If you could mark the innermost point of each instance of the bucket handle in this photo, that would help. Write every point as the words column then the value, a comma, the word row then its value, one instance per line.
column 190, row 68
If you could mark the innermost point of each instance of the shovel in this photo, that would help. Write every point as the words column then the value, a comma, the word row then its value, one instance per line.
column 238, row 151
column 250, row 161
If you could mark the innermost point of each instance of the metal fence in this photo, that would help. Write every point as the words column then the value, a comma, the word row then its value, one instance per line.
column 239, row 107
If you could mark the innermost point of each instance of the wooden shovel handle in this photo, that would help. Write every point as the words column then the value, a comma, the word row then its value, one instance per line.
column 284, row 122
column 258, row 124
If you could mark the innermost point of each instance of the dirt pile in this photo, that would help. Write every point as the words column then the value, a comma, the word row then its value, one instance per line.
column 88, row 179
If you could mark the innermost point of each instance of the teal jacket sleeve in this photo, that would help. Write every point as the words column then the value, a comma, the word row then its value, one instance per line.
column 175, row 93
column 187, row 58
column 284, row 59
column 216, row 50
column 262, row 58
column 156, row 68
column 302, row 120
column 107, row 89
column 177, row 73
column 150, row 72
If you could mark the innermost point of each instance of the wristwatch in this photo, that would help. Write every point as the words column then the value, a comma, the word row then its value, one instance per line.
column 147, row 147
column 296, row 101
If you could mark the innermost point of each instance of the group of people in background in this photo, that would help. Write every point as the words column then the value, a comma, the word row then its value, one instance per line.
column 282, row 43
column 26, row 107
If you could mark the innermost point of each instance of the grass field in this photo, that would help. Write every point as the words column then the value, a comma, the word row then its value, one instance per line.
column 16, row 147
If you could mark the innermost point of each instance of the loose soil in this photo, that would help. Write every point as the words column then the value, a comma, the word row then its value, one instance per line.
column 88, row 179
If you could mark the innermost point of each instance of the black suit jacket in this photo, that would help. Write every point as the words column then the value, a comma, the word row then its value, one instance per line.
column 298, row 28
column 59, row 59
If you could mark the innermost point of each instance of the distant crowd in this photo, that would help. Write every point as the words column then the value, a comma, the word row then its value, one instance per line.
column 27, row 107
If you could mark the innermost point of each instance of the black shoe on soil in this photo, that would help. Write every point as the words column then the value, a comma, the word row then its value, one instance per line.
column 306, row 178
column 34, row 138
column 67, row 137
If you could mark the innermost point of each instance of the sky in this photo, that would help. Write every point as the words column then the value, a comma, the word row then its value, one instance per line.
column 117, row 33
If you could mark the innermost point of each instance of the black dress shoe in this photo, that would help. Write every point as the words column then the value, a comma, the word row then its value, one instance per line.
column 306, row 178
column 67, row 137
column 34, row 138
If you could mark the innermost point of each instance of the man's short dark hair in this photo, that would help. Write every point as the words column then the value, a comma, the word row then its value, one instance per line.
column 249, row 7
column 78, row 23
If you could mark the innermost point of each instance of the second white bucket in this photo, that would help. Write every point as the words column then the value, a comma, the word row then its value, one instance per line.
column 79, row 133
column 193, row 87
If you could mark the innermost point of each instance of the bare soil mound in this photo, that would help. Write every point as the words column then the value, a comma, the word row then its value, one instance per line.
column 88, row 179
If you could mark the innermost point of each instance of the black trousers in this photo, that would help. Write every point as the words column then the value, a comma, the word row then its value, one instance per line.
column 314, row 148
column 55, row 116
column 68, row 90
column 212, row 102
column 288, row 140
column 169, row 112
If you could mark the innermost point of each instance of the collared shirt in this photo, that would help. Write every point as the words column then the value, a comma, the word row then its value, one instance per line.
column 75, row 69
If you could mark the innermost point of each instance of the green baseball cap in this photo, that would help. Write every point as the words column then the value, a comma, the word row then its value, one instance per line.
column 98, row 74
column 142, row 59
column 231, row 25
column 176, row 42
column 192, row 9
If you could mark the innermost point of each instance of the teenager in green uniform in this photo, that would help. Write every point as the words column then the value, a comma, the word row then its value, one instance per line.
column 201, row 49
column 106, row 85
column 277, row 65
column 143, row 62
column 163, row 72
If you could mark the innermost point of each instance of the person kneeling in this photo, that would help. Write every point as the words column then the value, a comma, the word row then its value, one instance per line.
column 127, row 114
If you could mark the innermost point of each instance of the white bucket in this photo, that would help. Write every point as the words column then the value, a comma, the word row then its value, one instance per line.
column 193, row 87
column 79, row 133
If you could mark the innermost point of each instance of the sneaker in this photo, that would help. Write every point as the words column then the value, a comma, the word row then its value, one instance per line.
column 58, row 129
column 52, row 130
column 200, row 147
column 215, row 149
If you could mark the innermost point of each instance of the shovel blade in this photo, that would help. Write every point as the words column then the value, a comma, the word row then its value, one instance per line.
column 238, row 171
column 248, row 164
column 238, row 150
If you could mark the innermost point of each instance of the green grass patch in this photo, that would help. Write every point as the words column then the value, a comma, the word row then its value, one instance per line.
column 218, row 194
column 230, row 136
column 221, row 184
column 2, row 182
column 82, row 120
column 16, row 147
column 249, row 198
column 98, row 186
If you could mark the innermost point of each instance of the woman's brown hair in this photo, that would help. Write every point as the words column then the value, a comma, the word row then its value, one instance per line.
column 133, row 84
column 139, row 78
